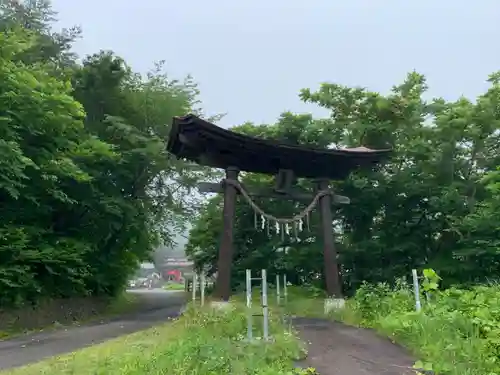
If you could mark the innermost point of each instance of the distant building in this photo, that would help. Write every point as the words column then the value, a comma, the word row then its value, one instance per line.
column 176, row 269
column 174, row 275
column 171, row 261
column 147, row 269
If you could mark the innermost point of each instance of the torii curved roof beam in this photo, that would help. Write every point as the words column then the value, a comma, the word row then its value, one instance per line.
column 207, row 144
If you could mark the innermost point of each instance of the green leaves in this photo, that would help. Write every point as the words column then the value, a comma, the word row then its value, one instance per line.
column 431, row 280
column 86, row 186
column 434, row 202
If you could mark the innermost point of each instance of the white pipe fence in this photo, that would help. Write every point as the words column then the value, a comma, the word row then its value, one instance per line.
column 264, row 301
column 416, row 290
column 199, row 280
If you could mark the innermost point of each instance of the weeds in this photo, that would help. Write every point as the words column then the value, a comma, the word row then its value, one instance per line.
column 457, row 332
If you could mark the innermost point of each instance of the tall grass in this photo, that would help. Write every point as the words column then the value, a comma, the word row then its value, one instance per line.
column 457, row 332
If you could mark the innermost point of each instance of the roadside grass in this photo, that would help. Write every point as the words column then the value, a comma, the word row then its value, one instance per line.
column 174, row 286
column 456, row 333
column 124, row 303
column 203, row 341
column 15, row 321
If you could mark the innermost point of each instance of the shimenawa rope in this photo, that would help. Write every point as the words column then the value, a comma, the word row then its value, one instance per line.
column 294, row 219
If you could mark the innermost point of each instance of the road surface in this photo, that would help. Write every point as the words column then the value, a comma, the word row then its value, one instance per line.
column 156, row 306
column 337, row 349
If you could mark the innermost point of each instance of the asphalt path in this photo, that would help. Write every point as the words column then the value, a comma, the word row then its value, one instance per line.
column 156, row 306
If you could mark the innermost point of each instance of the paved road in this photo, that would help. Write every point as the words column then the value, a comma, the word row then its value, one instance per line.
column 337, row 349
column 157, row 305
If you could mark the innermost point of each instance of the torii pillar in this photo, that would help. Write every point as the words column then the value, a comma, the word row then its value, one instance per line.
column 223, row 282
column 330, row 262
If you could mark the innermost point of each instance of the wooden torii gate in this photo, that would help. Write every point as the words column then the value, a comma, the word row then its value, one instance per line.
column 206, row 144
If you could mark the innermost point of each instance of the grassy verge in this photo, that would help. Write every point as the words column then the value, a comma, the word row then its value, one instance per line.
column 174, row 286
column 126, row 302
column 55, row 314
column 201, row 342
column 456, row 333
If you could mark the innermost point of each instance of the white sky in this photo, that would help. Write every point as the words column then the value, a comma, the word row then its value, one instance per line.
column 252, row 57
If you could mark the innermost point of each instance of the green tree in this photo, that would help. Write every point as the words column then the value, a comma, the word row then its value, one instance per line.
column 410, row 211
column 148, row 186
column 42, row 134
column 53, row 48
column 88, row 190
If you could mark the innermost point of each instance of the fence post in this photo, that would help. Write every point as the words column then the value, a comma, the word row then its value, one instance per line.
column 202, row 289
column 285, row 293
column 195, row 281
column 265, row 308
column 249, row 304
column 418, row 305
column 278, row 296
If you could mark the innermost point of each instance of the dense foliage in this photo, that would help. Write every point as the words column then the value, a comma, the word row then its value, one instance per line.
column 87, row 189
column 433, row 204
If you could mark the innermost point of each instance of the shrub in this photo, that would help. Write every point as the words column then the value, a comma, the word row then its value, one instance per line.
column 457, row 332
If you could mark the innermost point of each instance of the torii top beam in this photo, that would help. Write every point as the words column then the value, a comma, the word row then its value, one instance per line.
column 207, row 144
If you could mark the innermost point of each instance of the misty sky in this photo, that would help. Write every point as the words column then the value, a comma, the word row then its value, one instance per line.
column 252, row 57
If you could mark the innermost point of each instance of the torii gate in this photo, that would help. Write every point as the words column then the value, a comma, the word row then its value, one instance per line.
column 206, row 144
